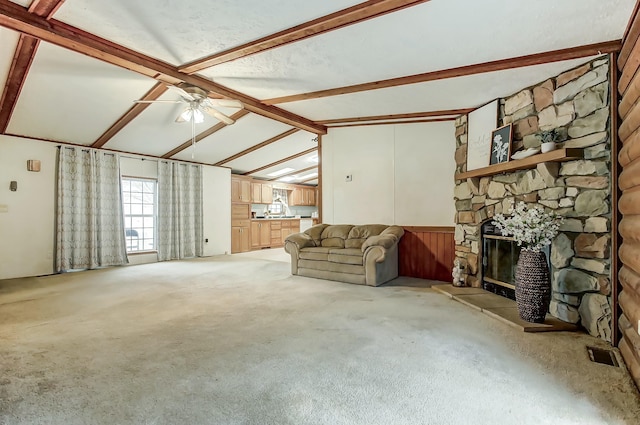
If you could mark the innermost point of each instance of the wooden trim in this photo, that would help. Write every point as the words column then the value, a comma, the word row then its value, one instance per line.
column 615, row 194
column 258, row 146
column 137, row 108
column 293, row 172
column 22, row 60
column 17, row 18
column 273, row 164
column 308, row 180
column 558, row 155
column 343, row 18
column 492, row 66
column 364, row 124
column 319, row 192
column 45, row 8
column 208, row 132
column 630, row 36
column 397, row 116
column 135, row 155
column 438, row 229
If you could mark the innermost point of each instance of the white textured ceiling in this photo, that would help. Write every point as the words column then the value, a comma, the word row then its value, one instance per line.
column 69, row 97
column 436, row 95
column 297, row 164
column 178, row 31
column 72, row 98
column 245, row 133
column 428, row 37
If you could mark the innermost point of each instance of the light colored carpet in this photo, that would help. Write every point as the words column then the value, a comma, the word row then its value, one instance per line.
column 237, row 340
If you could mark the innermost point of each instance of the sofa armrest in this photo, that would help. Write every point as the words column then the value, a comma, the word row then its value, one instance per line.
column 384, row 241
column 301, row 240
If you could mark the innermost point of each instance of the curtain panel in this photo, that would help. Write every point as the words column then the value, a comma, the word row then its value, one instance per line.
column 90, row 224
column 180, row 227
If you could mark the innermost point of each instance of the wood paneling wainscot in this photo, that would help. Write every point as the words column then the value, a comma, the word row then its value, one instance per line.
column 427, row 252
column 628, row 206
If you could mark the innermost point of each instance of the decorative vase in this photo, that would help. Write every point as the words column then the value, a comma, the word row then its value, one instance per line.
column 533, row 286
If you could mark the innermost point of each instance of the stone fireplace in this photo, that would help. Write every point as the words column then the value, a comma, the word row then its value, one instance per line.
column 577, row 103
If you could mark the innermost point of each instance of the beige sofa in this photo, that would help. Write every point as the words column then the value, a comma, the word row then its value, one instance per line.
column 365, row 255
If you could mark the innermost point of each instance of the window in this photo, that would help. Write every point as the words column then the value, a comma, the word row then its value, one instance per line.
column 139, row 205
column 279, row 202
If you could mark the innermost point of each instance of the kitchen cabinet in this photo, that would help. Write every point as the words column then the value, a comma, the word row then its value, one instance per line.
column 240, row 190
column 303, row 196
column 240, row 238
column 261, row 193
column 289, row 227
column 260, row 234
column 240, row 228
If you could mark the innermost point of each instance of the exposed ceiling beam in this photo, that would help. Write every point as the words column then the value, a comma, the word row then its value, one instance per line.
column 345, row 17
column 479, row 68
column 313, row 167
column 137, row 108
column 362, row 124
column 308, row 180
column 22, row 60
column 45, row 8
column 208, row 132
column 397, row 116
column 273, row 164
column 258, row 146
column 17, row 18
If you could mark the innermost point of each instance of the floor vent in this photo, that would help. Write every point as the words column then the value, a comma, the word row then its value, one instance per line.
column 602, row 355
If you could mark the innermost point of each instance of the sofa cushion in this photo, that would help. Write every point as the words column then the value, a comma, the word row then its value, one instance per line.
column 334, row 235
column 315, row 253
column 359, row 234
column 331, row 267
column 346, row 256
column 316, row 232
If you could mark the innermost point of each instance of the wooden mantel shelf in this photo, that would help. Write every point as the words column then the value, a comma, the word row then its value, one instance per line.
column 558, row 155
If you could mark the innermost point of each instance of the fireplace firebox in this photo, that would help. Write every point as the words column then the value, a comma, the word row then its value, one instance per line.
column 499, row 259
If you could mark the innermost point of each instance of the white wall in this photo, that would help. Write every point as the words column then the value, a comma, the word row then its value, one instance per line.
column 401, row 174
column 27, row 229
column 217, row 210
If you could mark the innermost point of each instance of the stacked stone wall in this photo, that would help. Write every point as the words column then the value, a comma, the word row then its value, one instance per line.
column 576, row 103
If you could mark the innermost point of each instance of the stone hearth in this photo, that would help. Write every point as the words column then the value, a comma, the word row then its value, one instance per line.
column 577, row 104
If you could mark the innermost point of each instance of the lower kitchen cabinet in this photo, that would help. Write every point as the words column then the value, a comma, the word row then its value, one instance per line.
column 240, row 238
column 260, row 234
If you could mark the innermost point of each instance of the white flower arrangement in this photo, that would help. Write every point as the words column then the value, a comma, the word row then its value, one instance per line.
column 532, row 228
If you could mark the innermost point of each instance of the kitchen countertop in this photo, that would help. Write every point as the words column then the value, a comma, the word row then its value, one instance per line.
column 279, row 218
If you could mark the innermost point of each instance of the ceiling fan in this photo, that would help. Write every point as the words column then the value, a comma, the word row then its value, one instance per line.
column 198, row 104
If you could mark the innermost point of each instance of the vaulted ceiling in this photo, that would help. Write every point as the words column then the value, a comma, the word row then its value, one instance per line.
column 72, row 69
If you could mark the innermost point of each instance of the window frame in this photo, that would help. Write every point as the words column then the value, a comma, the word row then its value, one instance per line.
column 128, row 239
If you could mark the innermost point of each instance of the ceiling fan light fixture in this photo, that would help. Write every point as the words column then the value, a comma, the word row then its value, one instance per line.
column 198, row 116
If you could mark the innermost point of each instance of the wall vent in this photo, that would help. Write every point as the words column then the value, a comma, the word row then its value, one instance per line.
column 602, row 355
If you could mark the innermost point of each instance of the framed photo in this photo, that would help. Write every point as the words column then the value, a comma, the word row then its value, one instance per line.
column 501, row 144
column 481, row 122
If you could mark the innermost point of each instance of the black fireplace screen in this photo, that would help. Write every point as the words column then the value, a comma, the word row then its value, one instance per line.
column 499, row 259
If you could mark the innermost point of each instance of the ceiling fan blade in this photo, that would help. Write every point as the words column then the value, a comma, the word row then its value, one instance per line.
column 158, row 101
column 218, row 115
column 227, row 103
column 181, row 92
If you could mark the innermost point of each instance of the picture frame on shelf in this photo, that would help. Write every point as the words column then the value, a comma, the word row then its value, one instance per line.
column 501, row 139
column 480, row 123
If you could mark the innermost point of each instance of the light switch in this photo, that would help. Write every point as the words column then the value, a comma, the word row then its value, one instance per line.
column 4, row 208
